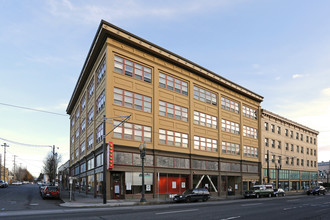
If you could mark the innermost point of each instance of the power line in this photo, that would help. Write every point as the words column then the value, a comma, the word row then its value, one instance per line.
column 32, row 109
column 28, row 145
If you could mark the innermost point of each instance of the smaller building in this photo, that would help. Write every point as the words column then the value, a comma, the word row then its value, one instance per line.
column 289, row 153
column 324, row 172
column 4, row 173
column 63, row 175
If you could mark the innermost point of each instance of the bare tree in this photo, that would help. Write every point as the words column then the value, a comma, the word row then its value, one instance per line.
column 49, row 164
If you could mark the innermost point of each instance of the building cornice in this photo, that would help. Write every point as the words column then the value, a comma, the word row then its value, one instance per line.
column 267, row 113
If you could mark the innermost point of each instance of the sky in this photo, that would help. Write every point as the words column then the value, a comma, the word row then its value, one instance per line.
column 278, row 49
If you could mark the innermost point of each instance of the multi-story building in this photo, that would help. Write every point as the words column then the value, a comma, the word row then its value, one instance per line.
column 324, row 171
column 201, row 129
column 289, row 152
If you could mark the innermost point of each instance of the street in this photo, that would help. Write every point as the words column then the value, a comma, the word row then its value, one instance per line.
column 24, row 202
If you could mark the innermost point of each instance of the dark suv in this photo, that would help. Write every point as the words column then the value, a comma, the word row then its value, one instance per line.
column 193, row 195
column 50, row 192
column 317, row 190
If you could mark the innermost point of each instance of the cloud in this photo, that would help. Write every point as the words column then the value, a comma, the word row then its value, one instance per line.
column 326, row 92
column 295, row 76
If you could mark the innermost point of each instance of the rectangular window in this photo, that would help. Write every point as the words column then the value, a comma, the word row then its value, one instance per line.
column 173, row 111
column 307, row 138
column 205, row 120
column 90, row 89
column 172, row 83
column 301, row 137
column 266, row 126
column 297, row 136
column 90, row 140
column 286, row 132
column 272, row 128
column 286, row 146
column 273, row 143
column 173, row 138
column 100, row 71
column 266, row 142
column 208, row 144
column 279, row 145
column 132, row 132
column 249, row 112
column 132, row 100
column 82, row 148
column 291, row 147
column 297, row 149
column 302, row 149
column 278, row 130
column 99, row 133
column 100, row 102
column 91, row 115
column 250, row 151
column 83, row 103
column 230, row 148
column 250, row 132
column 83, row 125
column 132, row 69
column 291, row 134
column 229, row 126
column 205, row 96
column 297, row 161
column 233, row 106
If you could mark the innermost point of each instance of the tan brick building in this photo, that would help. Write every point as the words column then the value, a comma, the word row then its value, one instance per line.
column 201, row 129
column 292, row 150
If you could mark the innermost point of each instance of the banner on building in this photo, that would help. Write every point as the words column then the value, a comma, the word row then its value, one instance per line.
column 110, row 155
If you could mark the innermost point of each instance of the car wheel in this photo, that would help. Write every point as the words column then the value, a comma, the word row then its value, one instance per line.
column 258, row 196
column 269, row 195
column 204, row 199
column 188, row 199
column 283, row 194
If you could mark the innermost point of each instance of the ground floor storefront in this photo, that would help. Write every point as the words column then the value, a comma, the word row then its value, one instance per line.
column 165, row 174
column 291, row 180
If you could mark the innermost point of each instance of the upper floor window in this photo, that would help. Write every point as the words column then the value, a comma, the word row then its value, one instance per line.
column 99, row 133
column 83, row 103
column 76, row 155
column 77, row 114
column 132, row 69
column 132, row 100
column 83, row 125
column 90, row 89
column 205, row 120
column 90, row 141
column 232, row 106
column 279, row 146
column 272, row 128
column 132, row 132
column 173, row 138
column 229, row 126
column 291, row 134
column 307, row 139
column 286, row 146
column 171, row 83
column 250, row 151
column 205, row 96
column 266, row 126
column 301, row 137
column 297, row 136
column 100, row 102
column 266, row 142
column 82, row 148
column 100, row 72
column 90, row 115
column 314, row 141
column 286, row 132
column 72, row 122
column 77, row 133
column 250, row 112
column 171, row 110
column 208, row 144
column 278, row 130
column 302, row 150
column 250, row 132
column 230, row 148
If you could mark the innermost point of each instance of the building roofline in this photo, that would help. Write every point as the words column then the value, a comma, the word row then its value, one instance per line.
column 107, row 29
column 266, row 112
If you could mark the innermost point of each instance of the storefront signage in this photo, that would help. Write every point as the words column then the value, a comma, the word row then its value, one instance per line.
column 148, row 188
column 110, row 155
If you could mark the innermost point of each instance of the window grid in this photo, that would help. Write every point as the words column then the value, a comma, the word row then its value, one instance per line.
column 208, row 144
column 100, row 102
column 205, row 120
column 99, row 133
column 205, row 96
column 172, row 83
column 173, row 138
column 173, row 111
column 229, row 126
column 90, row 89
column 100, row 72
column 250, row 151
column 90, row 141
column 90, row 115
column 250, row 132
column 250, row 112
column 132, row 132
column 83, row 103
column 132, row 69
column 230, row 105
column 132, row 100
column 230, row 148
column 82, row 148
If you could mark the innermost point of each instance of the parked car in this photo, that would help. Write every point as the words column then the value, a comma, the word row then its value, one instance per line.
column 193, row 195
column 50, row 192
column 42, row 187
column 258, row 191
column 17, row 183
column 317, row 190
column 278, row 192
column 3, row 184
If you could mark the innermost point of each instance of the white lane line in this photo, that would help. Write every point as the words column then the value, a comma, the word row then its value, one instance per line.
column 164, row 213
column 252, row 204
column 230, row 218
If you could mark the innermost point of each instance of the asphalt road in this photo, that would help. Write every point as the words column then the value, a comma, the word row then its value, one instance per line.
column 25, row 197
column 290, row 207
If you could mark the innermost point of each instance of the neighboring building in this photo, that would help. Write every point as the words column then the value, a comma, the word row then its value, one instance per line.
column 4, row 174
column 63, row 175
column 201, row 129
column 324, row 172
column 292, row 150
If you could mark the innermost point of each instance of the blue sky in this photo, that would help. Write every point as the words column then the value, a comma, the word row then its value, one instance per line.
column 278, row 49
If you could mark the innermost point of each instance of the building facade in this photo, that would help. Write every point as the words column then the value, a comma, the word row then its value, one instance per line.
column 324, row 172
column 201, row 130
column 289, row 153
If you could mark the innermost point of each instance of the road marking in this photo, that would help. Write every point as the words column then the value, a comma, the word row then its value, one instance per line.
column 231, row 218
column 252, row 204
column 164, row 213
column 293, row 200
column 34, row 204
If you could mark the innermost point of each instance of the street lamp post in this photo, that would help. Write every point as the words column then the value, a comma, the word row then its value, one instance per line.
column 278, row 167
column 142, row 149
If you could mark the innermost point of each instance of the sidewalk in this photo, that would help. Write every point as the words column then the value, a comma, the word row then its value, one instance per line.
column 83, row 200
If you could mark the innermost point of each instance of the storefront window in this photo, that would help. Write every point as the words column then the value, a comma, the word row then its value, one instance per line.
column 99, row 183
column 133, row 182
column 206, row 181
column 284, row 185
column 83, row 184
column 172, row 183
column 91, row 183
column 304, row 184
column 294, row 185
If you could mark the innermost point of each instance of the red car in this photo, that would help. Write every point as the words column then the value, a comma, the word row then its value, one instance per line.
column 50, row 192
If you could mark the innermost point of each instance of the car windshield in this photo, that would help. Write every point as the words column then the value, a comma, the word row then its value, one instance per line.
column 188, row 191
column 256, row 187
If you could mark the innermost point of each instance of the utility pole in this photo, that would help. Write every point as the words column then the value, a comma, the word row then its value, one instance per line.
column 268, row 176
column 4, row 161
column 0, row 165
column 15, row 165
column 54, row 160
column 104, row 164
